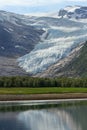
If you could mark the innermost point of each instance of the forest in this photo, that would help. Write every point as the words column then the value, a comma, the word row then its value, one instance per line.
column 31, row 82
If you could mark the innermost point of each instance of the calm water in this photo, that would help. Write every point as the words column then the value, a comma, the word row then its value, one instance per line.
column 59, row 117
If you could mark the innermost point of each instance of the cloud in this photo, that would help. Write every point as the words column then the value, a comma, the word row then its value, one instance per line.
column 4, row 3
column 25, row 6
column 26, row 2
column 77, row 0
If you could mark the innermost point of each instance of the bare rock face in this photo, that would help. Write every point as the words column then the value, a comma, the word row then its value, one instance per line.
column 9, row 67
column 17, row 37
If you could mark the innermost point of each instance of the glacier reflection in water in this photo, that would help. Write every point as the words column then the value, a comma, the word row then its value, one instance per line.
column 49, row 120
column 58, row 118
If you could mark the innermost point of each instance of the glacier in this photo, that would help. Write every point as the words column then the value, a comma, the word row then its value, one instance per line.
column 61, row 35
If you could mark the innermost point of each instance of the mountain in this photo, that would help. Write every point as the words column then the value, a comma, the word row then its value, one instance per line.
column 35, row 45
column 76, row 12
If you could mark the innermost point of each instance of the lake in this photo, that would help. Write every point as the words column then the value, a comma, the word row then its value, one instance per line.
column 44, row 116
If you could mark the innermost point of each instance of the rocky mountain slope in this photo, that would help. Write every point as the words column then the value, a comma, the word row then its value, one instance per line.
column 17, row 38
column 74, row 65
column 79, row 64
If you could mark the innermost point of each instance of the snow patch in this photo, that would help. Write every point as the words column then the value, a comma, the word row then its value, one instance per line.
column 71, row 8
column 10, row 29
column 17, row 46
column 3, row 48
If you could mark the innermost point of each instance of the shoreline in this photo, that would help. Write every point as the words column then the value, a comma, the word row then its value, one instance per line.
column 8, row 97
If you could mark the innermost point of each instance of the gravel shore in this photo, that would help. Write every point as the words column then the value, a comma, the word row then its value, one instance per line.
column 42, row 96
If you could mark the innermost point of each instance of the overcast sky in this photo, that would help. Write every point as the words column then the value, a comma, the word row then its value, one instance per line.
column 37, row 6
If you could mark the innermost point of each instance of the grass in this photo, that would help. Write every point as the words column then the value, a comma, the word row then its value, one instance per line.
column 48, row 90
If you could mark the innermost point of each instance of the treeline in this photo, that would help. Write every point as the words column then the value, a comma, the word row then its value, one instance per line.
column 42, row 82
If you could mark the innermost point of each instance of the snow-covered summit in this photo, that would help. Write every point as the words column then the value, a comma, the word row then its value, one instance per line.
column 77, row 12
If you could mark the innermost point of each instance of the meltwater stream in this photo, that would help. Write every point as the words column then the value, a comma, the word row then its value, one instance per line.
column 72, row 117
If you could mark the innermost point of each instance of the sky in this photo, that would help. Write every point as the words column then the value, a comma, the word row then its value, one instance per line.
column 37, row 6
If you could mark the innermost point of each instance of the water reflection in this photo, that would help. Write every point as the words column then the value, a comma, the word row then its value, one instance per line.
column 9, row 121
column 59, row 118
column 48, row 120
column 40, row 120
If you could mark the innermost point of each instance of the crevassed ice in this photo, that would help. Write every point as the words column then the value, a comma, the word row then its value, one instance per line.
column 59, row 39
